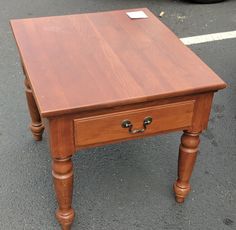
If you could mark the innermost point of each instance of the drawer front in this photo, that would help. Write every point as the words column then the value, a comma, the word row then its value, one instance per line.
column 108, row 127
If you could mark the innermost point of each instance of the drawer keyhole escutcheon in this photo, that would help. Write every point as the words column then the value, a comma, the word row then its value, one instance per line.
column 128, row 124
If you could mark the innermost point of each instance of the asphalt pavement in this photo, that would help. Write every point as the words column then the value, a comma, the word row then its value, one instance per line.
column 125, row 186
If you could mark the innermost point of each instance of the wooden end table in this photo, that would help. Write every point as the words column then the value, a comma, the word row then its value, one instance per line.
column 99, row 78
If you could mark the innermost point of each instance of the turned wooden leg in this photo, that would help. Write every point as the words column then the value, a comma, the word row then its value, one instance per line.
column 62, row 171
column 187, row 156
column 36, row 125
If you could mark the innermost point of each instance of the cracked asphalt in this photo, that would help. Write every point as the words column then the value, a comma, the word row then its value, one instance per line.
column 125, row 186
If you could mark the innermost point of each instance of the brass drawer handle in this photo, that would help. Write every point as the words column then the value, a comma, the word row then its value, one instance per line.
column 129, row 125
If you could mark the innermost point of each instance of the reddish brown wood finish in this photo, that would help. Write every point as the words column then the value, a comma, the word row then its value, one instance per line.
column 106, row 60
column 61, row 137
column 62, row 171
column 201, row 112
column 187, row 156
column 36, row 125
column 107, row 128
column 86, row 73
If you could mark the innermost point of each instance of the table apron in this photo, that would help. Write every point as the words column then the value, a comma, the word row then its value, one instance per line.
column 70, row 133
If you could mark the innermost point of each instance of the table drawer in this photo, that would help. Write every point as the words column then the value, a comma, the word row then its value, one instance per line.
column 139, row 122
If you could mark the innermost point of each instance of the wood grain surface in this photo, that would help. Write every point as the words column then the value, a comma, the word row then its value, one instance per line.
column 90, row 61
column 107, row 128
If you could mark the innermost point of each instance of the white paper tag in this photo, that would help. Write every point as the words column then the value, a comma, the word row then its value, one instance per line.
column 136, row 14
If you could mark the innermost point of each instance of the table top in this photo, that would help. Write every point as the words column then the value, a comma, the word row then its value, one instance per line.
column 90, row 61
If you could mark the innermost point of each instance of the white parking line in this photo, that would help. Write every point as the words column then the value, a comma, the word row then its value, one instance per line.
column 208, row 37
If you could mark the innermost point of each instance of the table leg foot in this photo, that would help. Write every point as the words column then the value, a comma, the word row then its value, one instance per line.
column 65, row 219
column 62, row 171
column 37, row 131
column 187, row 157
column 181, row 192
column 66, row 227
column 179, row 199
column 36, row 125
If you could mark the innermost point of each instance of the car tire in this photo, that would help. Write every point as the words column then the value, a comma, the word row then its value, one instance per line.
column 207, row 1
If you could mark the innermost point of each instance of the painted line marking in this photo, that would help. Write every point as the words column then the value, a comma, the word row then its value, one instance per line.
column 208, row 37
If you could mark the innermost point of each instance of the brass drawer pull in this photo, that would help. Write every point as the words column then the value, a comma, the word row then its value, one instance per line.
column 129, row 125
